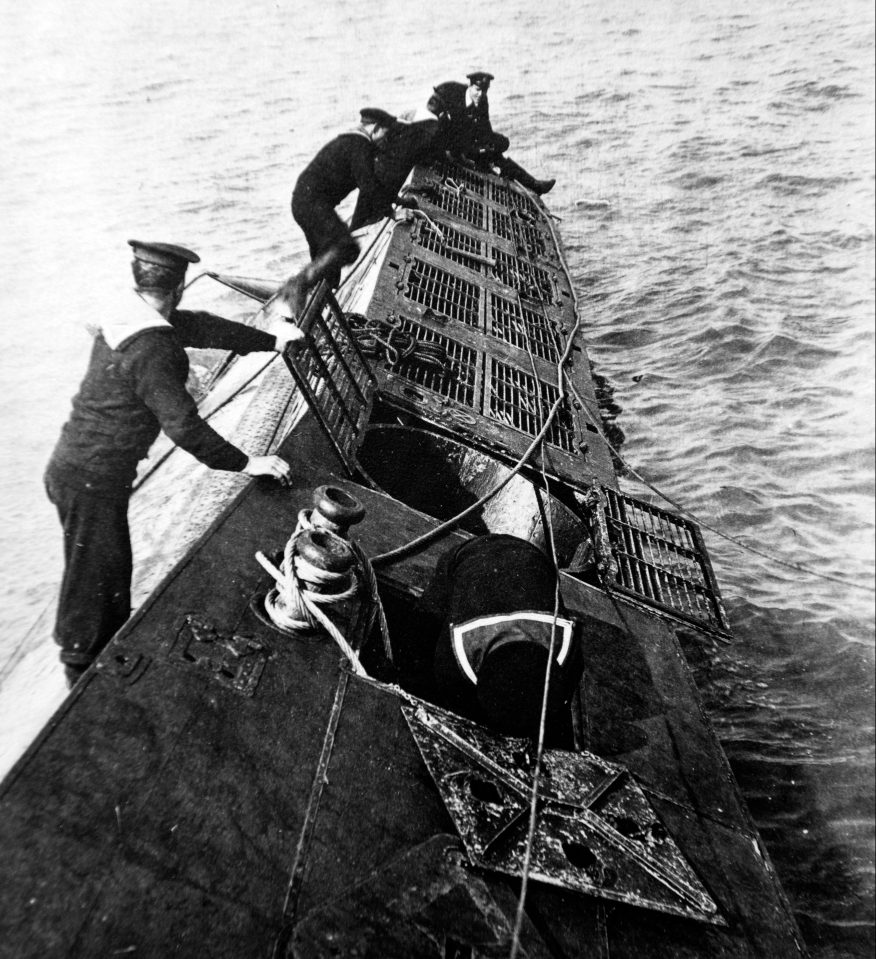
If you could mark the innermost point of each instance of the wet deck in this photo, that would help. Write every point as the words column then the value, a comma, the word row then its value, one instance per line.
column 162, row 812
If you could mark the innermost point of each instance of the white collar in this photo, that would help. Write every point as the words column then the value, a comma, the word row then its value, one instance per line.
column 127, row 315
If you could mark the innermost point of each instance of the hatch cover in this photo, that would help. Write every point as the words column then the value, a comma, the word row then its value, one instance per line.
column 332, row 374
column 595, row 831
column 661, row 559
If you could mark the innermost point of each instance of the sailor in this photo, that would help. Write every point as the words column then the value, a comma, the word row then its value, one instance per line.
column 470, row 135
column 341, row 166
column 135, row 385
column 412, row 140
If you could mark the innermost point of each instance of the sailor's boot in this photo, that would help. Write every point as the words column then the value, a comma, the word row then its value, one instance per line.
column 294, row 292
column 516, row 172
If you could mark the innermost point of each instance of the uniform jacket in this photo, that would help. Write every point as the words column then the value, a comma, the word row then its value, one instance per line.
column 469, row 127
column 135, row 386
column 342, row 165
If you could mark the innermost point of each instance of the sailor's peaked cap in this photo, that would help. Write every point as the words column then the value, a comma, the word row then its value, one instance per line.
column 164, row 254
column 373, row 115
column 479, row 76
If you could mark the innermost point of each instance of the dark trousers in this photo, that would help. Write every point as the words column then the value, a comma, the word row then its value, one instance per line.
column 95, row 598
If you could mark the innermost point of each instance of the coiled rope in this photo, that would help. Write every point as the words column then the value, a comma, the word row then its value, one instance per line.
column 294, row 607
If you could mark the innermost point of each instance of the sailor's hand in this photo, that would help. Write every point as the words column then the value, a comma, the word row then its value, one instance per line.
column 284, row 333
column 274, row 466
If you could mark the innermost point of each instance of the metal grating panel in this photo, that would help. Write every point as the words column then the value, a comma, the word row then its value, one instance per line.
column 460, row 177
column 529, row 238
column 455, row 245
column 332, row 373
column 501, row 224
column 524, row 206
column 443, row 292
column 501, row 194
column 529, row 280
column 455, row 379
column 459, row 204
column 528, row 330
column 662, row 559
column 512, row 399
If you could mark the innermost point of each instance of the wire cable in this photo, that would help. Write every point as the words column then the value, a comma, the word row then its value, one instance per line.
column 771, row 557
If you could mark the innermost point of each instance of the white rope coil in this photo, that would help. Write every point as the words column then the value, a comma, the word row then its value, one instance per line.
column 296, row 604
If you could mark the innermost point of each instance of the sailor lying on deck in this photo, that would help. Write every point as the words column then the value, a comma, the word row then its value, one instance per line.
column 342, row 165
column 135, row 386
column 469, row 134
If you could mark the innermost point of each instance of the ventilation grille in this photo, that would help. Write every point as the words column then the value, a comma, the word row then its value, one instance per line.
column 454, row 378
column 527, row 329
column 662, row 560
column 443, row 292
column 513, row 400
column 454, row 246
column 529, row 280
column 460, row 205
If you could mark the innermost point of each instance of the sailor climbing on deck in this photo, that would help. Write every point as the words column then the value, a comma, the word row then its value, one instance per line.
column 135, row 386
column 341, row 166
column 469, row 133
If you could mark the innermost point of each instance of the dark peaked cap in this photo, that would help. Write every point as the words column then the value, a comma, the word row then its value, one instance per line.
column 373, row 115
column 480, row 76
column 168, row 255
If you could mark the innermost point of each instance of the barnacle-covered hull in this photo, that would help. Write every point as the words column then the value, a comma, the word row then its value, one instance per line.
column 216, row 787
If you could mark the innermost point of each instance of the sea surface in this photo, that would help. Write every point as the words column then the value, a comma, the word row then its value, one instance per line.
column 715, row 194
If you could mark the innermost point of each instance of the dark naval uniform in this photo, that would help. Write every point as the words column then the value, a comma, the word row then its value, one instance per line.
column 342, row 165
column 405, row 145
column 469, row 131
column 470, row 134
column 132, row 389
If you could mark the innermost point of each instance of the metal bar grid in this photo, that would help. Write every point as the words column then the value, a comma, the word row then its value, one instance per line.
column 512, row 399
column 455, row 245
column 463, row 177
column 443, row 292
column 662, row 560
column 501, row 224
column 529, row 238
column 332, row 373
column 459, row 204
column 525, row 206
column 522, row 327
column 457, row 377
column 529, row 280
column 501, row 194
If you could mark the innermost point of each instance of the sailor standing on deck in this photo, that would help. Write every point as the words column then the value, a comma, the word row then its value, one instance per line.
column 341, row 166
column 135, row 386
column 470, row 135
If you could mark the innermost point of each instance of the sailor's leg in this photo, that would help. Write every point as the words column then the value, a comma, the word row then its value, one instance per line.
column 95, row 596
column 332, row 247
column 508, row 168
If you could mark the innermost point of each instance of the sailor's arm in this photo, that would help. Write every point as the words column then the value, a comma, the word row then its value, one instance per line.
column 208, row 331
column 159, row 380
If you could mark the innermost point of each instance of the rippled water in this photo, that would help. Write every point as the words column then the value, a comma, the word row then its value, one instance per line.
column 716, row 169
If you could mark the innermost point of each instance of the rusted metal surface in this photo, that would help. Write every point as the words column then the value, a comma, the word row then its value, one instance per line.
column 596, row 832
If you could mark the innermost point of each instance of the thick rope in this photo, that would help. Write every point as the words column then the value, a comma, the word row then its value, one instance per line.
column 292, row 607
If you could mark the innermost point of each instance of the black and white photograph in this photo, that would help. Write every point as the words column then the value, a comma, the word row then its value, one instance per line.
column 439, row 482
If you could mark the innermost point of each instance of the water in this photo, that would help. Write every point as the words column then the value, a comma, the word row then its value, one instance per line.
column 715, row 187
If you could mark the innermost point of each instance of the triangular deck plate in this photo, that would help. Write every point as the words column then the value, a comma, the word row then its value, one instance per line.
column 595, row 833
